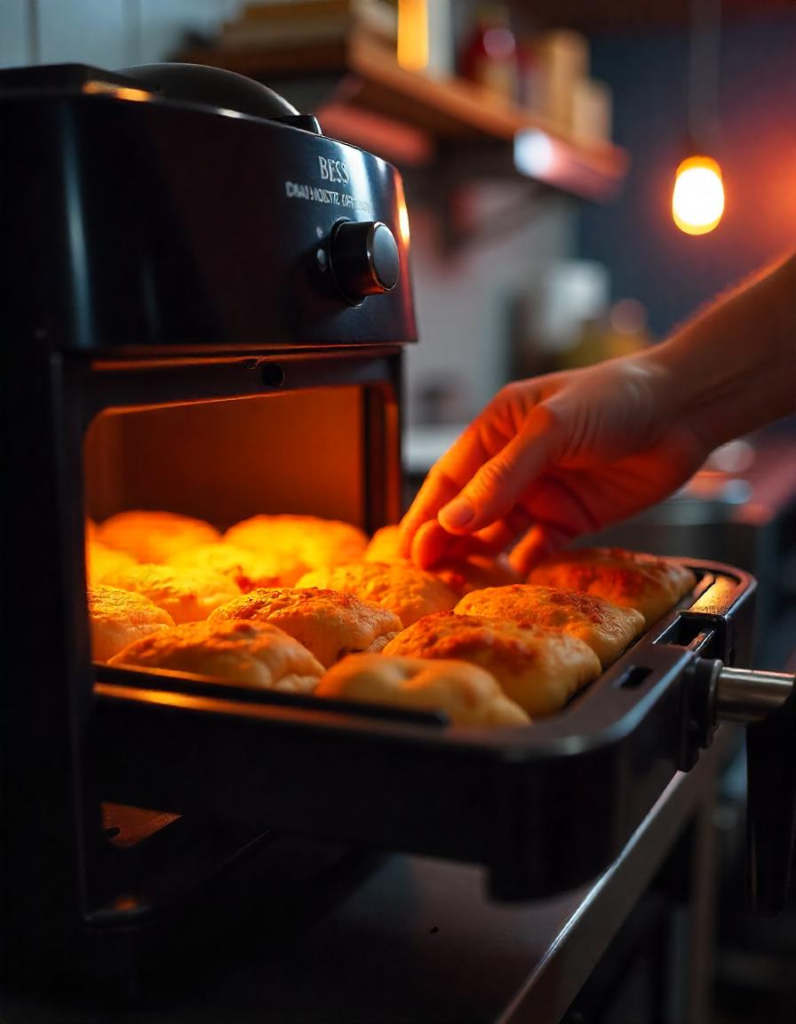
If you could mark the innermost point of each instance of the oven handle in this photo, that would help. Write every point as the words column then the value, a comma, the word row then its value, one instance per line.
column 766, row 703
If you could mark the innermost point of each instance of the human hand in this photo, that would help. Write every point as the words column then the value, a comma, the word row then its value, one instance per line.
column 554, row 457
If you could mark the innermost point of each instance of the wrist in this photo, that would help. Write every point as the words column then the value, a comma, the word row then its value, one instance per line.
column 676, row 387
column 733, row 369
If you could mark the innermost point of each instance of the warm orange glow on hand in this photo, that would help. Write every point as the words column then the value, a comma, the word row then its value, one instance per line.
column 698, row 197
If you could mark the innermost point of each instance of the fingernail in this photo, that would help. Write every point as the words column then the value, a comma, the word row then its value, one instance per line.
column 458, row 513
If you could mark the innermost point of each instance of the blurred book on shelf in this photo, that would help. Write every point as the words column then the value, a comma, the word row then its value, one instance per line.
column 546, row 73
column 262, row 26
column 555, row 82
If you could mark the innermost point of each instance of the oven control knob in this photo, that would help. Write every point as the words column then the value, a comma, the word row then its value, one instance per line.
column 364, row 258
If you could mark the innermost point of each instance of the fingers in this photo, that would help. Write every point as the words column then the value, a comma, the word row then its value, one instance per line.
column 539, row 542
column 430, row 544
column 500, row 535
column 436, row 491
column 493, row 491
column 444, row 482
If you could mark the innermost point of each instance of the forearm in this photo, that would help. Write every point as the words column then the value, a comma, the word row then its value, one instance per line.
column 733, row 368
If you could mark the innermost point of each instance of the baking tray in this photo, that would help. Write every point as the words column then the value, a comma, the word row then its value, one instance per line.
column 544, row 808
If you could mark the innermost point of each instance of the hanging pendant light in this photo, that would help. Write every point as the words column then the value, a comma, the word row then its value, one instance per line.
column 698, row 196
column 698, row 193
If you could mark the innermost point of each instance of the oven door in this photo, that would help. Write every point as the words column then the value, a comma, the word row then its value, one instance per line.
column 314, row 432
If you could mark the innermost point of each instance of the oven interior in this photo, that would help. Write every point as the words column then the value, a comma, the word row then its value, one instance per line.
column 302, row 452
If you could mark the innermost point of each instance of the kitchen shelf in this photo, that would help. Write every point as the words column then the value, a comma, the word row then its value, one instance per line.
column 415, row 119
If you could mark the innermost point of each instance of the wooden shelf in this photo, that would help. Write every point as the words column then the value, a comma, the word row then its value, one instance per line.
column 410, row 117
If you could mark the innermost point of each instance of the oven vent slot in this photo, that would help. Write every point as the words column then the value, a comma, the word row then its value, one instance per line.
column 700, row 633
column 632, row 678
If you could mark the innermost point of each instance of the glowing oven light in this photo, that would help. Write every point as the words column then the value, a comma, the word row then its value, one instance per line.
column 698, row 196
column 119, row 92
column 403, row 213
column 403, row 221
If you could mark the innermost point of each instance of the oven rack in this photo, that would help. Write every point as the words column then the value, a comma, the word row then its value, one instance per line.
column 544, row 807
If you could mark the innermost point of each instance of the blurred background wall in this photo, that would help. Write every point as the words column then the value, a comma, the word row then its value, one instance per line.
column 648, row 257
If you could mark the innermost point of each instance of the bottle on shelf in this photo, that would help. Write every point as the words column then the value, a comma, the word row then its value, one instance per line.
column 489, row 56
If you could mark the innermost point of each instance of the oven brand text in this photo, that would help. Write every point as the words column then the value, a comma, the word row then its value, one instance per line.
column 334, row 171
column 327, row 196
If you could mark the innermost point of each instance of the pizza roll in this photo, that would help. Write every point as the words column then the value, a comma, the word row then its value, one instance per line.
column 625, row 578
column 407, row 591
column 247, row 569
column 253, row 654
column 102, row 561
column 314, row 542
column 154, row 536
column 468, row 695
column 188, row 595
column 472, row 571
column 538, row 668
column 329, row 623
column 605, row 627
column 117, row 618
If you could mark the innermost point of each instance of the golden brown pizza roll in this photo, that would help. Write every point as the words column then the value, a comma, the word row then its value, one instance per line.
column 188, row 595
column 307, row 539
column 381, row 642
column 603, row 626
column 155, row 536
column 472, row 570
column 538, row 668
column 248, row 569
column 407, row 591
column 327, row 622
column 476, row 572
column 625, row 578
column 249, row 653
column 102, row 561
column 384, row 546
column 117, row 618
column 468, row 695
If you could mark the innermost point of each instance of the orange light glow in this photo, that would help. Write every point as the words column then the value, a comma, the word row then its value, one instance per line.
column 698, row 196
column 403, row 213
column 403, row 220
column 119, row 92
column 413, row 34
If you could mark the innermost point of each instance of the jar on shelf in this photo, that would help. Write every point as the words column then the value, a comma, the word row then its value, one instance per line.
column 489, row 56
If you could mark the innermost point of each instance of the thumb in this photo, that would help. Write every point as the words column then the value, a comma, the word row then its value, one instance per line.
column 494, row 490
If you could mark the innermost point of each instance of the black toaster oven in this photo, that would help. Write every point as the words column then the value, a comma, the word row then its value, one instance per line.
column 207, row 301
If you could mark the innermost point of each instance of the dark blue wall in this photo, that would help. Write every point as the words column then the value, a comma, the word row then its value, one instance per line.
column 649, row 258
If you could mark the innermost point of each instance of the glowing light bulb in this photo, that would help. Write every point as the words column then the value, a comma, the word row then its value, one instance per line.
column 698, row 197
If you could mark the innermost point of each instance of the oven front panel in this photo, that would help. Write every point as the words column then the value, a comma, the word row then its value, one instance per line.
column 141, row 224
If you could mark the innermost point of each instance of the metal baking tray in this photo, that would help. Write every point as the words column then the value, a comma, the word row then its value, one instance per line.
column 544, row 807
